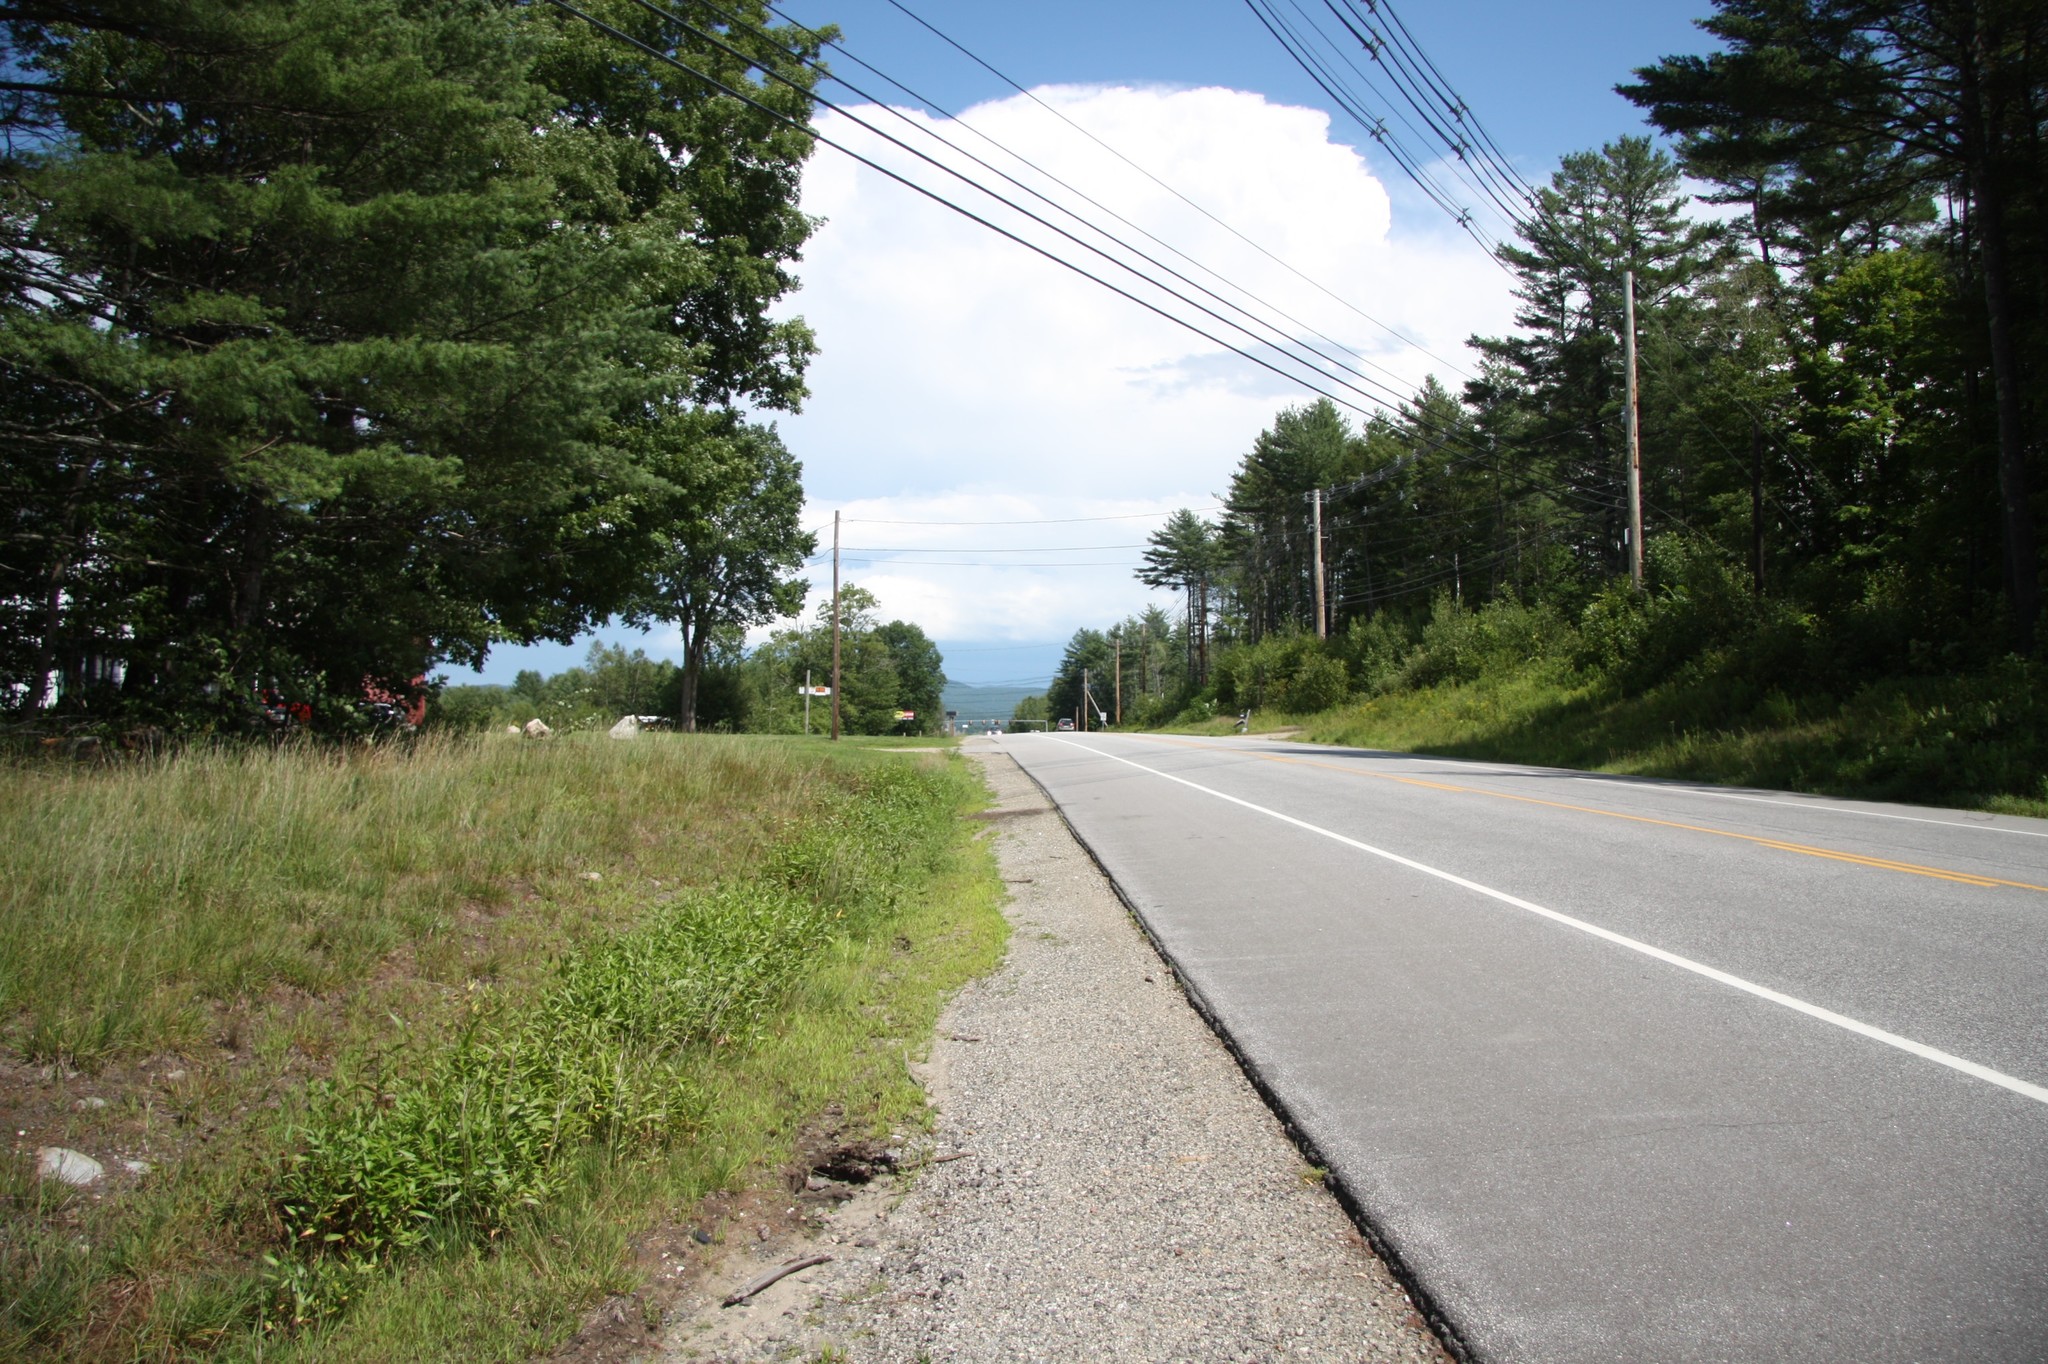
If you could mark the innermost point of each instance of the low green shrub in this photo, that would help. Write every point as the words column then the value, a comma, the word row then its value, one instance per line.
column 450, row 1148
column 1261, row 676
column 1503, row 636
column 1322, row 683
column 1374, row 651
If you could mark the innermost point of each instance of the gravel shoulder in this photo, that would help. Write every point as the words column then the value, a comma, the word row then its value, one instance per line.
column 1100, row 1181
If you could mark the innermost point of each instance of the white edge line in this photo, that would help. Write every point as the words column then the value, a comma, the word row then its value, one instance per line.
column 1906, row 1044
column 1817, row 805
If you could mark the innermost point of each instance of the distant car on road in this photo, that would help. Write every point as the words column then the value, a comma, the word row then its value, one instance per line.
column 1066, row 724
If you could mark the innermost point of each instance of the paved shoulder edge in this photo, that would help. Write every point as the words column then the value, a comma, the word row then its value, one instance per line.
column 1383, row 1244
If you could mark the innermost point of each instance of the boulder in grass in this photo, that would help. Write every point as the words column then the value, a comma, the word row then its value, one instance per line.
column 628, row 727
column 72, row 1167
column 536, row 728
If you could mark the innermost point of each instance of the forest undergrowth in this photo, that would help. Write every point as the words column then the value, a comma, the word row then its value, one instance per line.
column 1697, row 678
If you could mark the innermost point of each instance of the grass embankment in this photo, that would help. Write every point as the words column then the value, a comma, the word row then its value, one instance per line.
column 1968, row 742
column 414, row 1043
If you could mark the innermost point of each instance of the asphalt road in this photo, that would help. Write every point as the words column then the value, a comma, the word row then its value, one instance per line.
column 1621, row 1070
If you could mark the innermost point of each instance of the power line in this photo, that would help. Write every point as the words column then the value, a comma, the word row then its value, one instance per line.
column 1475, row 160
column 1011, row 648
column 991, row 549
column 1269, row 255
column 1051, row 521
column 1402, row 73
column 1374, row 128
column 770, row 72
column 1315, row 365
column 1082, row 195
column 1410, row 418
column 973, row 563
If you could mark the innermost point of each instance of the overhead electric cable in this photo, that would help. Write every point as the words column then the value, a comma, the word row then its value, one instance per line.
column 1464, row 111
column 1080, row 194
column 978, row 549
column 772, row 73
column 1404, row 80
column 1301, row 51
column 975, row 563
column 1374, row 127
column 1482, row 155
column 1053, row 521
column 1411, row 164
column 931, row 194
column 767, row 70
column 1385, row 395
column 957, row 46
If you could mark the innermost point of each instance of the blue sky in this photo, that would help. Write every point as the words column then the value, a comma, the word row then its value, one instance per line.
column 963, row 380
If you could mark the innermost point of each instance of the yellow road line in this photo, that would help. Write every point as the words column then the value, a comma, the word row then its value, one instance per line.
column 1804, row 849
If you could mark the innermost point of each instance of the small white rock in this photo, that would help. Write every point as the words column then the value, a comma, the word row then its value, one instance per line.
column 173, row 1076
column 137, row 1168
column 73, row 1167
column 593, row 876
column 90, row 1101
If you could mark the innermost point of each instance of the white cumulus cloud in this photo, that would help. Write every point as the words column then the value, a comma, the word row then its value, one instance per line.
column 964, row 378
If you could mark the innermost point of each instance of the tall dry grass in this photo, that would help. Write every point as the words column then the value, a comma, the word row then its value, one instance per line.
column 260, row 961
column 132, row 898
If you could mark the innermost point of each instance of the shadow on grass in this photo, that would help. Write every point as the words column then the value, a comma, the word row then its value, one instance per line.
column 1972, row 742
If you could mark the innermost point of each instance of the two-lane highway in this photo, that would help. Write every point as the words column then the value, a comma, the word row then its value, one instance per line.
column 1621, row 1070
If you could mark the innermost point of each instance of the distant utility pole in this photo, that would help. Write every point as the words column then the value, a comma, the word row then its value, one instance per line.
column 1322, row 621
column 835, row 627
column 1635, row 447
column 1084, row 700
column 1119, row 677
column 1756, row 508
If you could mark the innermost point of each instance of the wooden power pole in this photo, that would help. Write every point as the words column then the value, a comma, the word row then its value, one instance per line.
column 1756, row 508
column 1635, row 447
column 1322, row 617
column 835, row 627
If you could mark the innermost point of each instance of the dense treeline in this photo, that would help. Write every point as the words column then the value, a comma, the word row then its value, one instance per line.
column 1841, row 415
column 886, row 668
column 339, row 338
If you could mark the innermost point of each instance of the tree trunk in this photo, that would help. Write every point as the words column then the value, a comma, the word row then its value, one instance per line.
column 694, row 635
column 2022, row 556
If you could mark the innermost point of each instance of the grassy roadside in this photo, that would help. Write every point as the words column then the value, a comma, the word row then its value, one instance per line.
column 1962, row 742
column 413, row 1045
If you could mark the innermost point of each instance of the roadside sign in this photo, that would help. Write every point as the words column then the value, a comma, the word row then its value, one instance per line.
column 813, row 691
column 906, row 715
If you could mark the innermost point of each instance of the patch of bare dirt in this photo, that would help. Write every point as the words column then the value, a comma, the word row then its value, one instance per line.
column 689, row 1268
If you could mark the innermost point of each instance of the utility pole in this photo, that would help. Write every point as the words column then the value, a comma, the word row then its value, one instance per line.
column 807, row 703
column 1119, row 678
column 1635, row 448
column 1756, row 508
column 835, row 627
column 1322, row 618
column 1084, row 700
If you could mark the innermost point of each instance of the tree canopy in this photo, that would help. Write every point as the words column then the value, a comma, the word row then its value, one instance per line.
column 731, row 538
column 343, row 337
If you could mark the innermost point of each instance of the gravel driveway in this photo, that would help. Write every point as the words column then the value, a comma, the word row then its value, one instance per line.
column 1103, row 1184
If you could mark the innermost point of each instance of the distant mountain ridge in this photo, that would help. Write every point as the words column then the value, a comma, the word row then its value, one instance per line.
column 979, row 705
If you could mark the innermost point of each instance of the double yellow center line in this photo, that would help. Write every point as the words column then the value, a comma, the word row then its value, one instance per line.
column 1966, row 878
